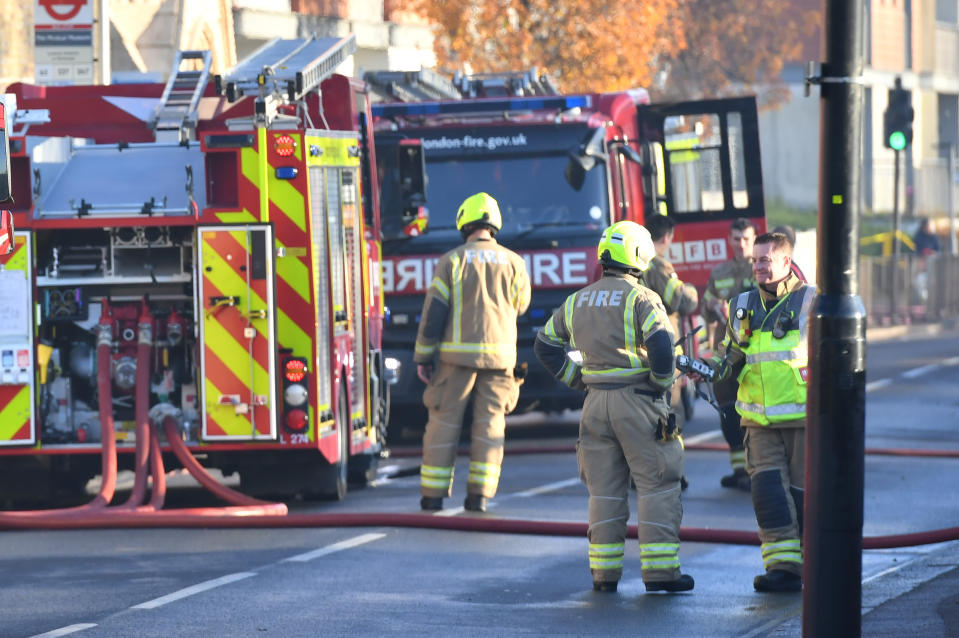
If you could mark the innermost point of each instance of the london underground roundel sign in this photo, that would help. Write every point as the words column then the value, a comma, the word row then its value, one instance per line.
column 63, row 9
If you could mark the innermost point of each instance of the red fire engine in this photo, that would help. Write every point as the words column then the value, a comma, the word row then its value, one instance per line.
column 562, row 167
column 216, row 237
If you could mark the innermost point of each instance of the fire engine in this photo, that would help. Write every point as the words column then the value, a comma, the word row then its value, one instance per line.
column 217, row 237
column 562, row 167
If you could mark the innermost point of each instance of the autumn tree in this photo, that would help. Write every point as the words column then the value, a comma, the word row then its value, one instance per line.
column 679, row 49
column 597, row 45
column 737, row 45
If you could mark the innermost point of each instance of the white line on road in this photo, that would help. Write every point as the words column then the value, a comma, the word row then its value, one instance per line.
column 918, row 372
column 549, row 487
column 952, row 361
column 65, row 631
column 332, row 549
column 875, row 385
column 195, row 589
column 703, row 436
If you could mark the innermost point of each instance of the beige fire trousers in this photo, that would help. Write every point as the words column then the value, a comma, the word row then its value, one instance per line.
column 494, row 394
column 617, row 440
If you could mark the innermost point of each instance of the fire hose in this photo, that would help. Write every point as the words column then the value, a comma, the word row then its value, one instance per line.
column 247, row 512
column 148, row 458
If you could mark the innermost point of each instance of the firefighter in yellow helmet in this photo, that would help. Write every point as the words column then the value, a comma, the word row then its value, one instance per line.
column 468, row 328
column 625, row 344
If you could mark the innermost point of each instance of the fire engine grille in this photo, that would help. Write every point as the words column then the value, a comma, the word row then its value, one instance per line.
column 320, row 258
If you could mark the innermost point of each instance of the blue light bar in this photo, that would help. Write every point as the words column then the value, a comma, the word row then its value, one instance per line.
column 536, row 103
column 286, row 172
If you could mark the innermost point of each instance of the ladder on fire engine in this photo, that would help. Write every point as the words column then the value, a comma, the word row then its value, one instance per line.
column 285, row 71
column 176, row 114
column 427, row 85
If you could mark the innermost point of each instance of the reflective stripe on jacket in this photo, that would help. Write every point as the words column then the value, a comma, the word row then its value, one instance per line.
column 774, row 344
column 609, row 322
column 469, row 314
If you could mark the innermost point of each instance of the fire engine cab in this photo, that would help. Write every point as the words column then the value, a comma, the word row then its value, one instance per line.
column 217, row 236
column 562, row 168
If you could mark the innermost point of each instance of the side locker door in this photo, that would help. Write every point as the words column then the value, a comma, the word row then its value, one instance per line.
column 237, row 319
column 18, row 424
column 704, row 158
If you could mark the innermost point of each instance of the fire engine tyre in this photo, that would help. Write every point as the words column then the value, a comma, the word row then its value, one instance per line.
column 339, row 475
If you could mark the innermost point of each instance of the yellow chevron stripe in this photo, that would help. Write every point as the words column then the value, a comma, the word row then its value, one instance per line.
column 234, row 354
column 15, row 414
column 225, row 416
column 295, row 273
column 290, row 201
column 18, row 260
column 293, row 336
column 244, row 217
column 228, row 280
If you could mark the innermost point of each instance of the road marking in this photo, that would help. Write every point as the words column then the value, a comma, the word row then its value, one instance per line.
column 918, row 372
column 875, row 385
column 453, row 511
column 549, row 487
column 704, row 436
column 332, row 549
column 765, row 627
column 65, row 631
column 195, row 589
column 953, row 361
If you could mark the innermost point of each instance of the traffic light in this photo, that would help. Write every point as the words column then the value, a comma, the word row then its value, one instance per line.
column 897, row 120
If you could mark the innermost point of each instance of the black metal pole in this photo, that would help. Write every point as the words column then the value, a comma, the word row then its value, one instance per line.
column 894, row 260
column 835, row 436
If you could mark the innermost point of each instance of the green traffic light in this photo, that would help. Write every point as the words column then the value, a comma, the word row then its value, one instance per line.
column 897, row 140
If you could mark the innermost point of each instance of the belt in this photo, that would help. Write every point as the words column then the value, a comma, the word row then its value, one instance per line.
column 650, row 393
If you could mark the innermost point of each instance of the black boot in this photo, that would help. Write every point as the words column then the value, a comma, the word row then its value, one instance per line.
column 683, row 583
column 683, row 483
column 431, row 503
column 739, row 479
column 475, row 503
column 607, row 586
column 778, row 580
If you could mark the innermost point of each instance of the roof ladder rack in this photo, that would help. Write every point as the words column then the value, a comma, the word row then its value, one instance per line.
column 285, row 70
column 177, row 110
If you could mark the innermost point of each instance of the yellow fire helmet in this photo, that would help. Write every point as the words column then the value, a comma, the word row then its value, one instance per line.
column 481, row 208
column 626, row 245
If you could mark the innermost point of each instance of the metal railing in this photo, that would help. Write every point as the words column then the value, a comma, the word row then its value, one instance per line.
column 914, row 288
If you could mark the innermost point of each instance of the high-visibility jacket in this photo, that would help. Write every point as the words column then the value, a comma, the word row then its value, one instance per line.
column 769, row 334
column 470, row 310
column 619, row 327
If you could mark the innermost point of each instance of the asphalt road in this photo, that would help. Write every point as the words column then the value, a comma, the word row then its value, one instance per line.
column 395, row 581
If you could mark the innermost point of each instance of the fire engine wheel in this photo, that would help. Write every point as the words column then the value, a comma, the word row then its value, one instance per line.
column 339, row 485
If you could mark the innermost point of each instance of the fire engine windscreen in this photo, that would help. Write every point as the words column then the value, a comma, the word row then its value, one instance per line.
column 528, row 182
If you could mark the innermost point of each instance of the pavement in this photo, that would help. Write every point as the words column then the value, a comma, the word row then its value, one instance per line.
column 910, row 331
column 920, row 597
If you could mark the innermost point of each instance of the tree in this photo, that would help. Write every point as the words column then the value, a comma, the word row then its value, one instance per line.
column 737, row 45
column 597, row 45
column 679, row 49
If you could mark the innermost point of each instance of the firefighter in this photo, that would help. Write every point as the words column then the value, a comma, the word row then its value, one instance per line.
column 766, row 346
column 625, row 343
column 468, row 328
column 679, row 298
column 726, row 281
